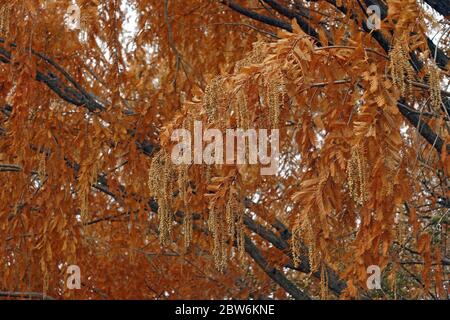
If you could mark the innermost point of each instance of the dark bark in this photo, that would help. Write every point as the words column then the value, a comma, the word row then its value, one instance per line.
column 258, row 17
column 304, row 25
column 441, row 6
column 423, row 128
column 25, row 295
column 74, row 94
column 335, row 284
column 276, row 275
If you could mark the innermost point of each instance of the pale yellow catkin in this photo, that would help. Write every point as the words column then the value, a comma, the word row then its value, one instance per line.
column 402, row 72
column 312, row 253
column 241, row 110
column 230, row 215
column 303, row 232
column 239, row 211
column 216, row 228
column 42, row 167
column 296, row 248
column 256, row 56
column 275, row 94
column 183, row 183
column 160, row 185
column 435, row 87
column 4, row 19
column 227, row 227
column 89, row 174
column 212, row 101
column 357, row 176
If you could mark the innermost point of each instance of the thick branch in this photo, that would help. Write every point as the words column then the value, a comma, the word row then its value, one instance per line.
column 75, row 95
column 335, row 284
column 423, row 128
column 304, row 25
column 25, row 295
column 258, row 17
column 441, row 6
column 10, row 168
column 441, row 57
column 274, row 273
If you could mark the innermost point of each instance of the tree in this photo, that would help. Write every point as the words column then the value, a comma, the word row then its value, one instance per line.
column 88, row 116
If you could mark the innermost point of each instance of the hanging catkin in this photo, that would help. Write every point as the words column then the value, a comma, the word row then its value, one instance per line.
column 239, row 211
column 303, row 232
column 212, row 105
column 255, row 57
column 216, row 228
column 183, row 184
column 230, row 215
column 401, row 70
column 42, row 167
column 160, row 185
column 435, row 87
column 241, row 110
column 357, row 176
column 274, row 95
column 88, row 176
column 296, row 248
column 4, row 19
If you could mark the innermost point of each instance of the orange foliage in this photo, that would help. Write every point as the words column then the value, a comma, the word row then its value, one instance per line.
column 86, row 122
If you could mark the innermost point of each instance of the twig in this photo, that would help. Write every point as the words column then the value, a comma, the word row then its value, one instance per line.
column 29, row 295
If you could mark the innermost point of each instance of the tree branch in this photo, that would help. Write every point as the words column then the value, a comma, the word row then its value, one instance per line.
column 75, row 95
column 441, row 6
column 304, row 25
column 256, row 16
column 272, row 272
column 335, row 284
column 25, row 295
column 422, row 127
column 10, row 168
